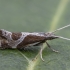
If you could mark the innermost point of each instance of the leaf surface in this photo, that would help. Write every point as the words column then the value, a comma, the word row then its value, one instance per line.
column 36, row 16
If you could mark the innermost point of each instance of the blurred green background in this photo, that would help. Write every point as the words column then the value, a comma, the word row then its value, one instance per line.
column 32, row 15
column 36, row 16
column 27, row 15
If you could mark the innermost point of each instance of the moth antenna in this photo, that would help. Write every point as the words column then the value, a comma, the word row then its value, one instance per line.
column 61, row 28
column 62, row 37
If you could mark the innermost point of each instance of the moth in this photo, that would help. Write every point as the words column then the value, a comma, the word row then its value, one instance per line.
column 23, row 39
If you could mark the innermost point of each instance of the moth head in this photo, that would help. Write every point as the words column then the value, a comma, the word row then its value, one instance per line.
column 51, row 35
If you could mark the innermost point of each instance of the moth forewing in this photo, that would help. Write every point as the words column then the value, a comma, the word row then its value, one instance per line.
column 32, row 39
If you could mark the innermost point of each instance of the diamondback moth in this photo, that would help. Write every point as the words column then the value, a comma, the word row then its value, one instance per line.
column 23, row 39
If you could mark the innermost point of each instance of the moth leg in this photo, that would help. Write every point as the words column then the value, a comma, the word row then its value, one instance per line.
column 41, row 53
column 40, row 43
column 51, row 48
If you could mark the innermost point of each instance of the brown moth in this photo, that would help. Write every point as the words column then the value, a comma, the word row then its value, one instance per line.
column 23, row 39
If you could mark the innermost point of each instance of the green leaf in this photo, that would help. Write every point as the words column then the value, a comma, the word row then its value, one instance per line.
column 36, row 16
